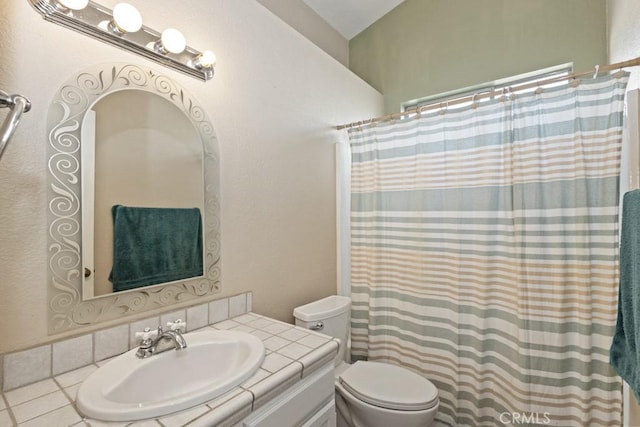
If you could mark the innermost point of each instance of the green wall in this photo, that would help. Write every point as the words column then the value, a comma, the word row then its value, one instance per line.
column 424, row 47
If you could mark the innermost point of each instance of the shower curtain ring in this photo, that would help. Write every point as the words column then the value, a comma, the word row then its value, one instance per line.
column 473, row 100
column 597, row 71
column 446, row 107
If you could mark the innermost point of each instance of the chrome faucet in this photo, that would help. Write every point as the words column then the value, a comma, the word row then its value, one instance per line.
column 159, row 341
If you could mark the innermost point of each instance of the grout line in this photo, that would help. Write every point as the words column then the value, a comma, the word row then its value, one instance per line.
column 301, row 367
column 93, row 347
column 9, row 411
column 50, row 362
column 53, row 410
column 253, row 397
column 48, row 412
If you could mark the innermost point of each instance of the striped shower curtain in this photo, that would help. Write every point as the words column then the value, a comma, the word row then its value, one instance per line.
column 484, row 254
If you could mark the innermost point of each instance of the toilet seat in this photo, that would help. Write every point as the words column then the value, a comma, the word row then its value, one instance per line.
column 388, row 386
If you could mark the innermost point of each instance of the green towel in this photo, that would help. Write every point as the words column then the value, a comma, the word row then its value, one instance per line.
column 624, row 354
column 155, row 245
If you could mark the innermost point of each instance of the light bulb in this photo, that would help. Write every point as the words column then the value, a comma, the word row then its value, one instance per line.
column 172, row 41
column 206, row 59
column 126, row 18
column 73, row 4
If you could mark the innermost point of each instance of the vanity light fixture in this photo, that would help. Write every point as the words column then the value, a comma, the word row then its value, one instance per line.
column 205, row 59
column 126, row 19
column 72, row 4
column 205, row 62
column 171, row 41
column 123, row 27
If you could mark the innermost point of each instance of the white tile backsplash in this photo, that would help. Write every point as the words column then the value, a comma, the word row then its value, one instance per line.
column 72, row 354
column 172, row 317
column 111, row 342
column 26, row 367
column 237, row 305
column 218, row 310
column 197, row 317
column 32, row 365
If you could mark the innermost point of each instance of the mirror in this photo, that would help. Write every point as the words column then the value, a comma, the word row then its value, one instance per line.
column 121, row 134
column 137, row 150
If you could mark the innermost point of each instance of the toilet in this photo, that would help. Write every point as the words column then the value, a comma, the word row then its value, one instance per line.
column 369, row 394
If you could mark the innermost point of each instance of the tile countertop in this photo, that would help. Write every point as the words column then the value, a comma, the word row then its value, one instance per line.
column 292, row 353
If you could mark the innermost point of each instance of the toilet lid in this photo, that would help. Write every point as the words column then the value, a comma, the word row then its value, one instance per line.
column 389, row 386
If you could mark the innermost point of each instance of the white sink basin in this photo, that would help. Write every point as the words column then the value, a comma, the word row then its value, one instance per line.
column 128, row 388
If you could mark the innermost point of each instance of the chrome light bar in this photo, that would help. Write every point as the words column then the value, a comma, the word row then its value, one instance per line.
column 96, row 21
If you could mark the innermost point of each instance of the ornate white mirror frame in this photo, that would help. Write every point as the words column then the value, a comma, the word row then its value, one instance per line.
column 66, row 308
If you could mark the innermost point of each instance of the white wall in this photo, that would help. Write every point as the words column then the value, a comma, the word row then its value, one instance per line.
column 274, row 101
column 300, row 16
column 624, row 34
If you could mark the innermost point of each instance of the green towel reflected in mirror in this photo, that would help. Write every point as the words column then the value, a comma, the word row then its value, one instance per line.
column 155, row 245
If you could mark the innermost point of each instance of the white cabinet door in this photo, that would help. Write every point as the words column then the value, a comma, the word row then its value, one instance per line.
column 309, row 403
column 325, row 417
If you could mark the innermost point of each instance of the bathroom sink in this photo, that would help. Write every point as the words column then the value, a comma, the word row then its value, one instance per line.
column 128, row 388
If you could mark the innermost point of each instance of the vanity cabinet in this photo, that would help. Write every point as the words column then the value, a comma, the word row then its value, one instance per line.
column 308, row 403
column 294, row 386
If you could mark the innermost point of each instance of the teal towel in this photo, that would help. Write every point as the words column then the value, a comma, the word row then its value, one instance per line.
column 624, row 353
column 155, row 245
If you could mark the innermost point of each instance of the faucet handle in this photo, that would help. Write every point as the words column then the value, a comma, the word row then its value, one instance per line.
column 177, row 325
column 147, row 334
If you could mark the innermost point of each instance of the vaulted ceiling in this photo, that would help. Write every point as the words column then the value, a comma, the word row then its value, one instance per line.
column 350, row 17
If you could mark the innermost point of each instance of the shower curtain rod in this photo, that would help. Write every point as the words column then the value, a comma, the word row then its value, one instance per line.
column 507, row 90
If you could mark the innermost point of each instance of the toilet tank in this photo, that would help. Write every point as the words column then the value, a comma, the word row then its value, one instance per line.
column 330, row 316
